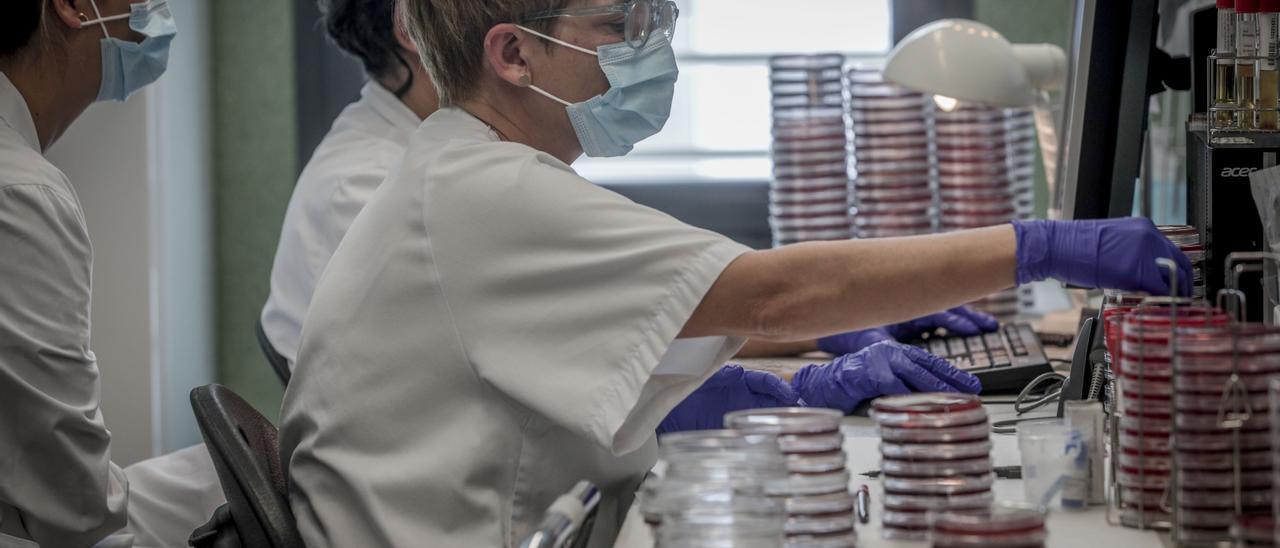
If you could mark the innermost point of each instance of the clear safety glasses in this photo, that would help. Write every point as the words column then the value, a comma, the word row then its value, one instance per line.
column 641, row 18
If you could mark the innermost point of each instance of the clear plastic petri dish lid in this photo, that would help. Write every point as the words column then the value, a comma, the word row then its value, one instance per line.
column 816, row 463
column 977, row 207
column 938, row 486
column 914, row 210
column 821, row 224
column 885, row 116
column 935, row 451
column 1142, row 478
column 901, row 518
column 707, row 529
column 935, row 503
column 795, row 485
column 906, row 534
column 805, row 199
column 913, row 154
column 811, row 443
column 833, row 503
column 930, row 410
column 871, row 99
column 817, row 61
column 1161, row 462
column 798, row 134
column 920, row 140
column 866, row 232
column 1224, row 460
column 801, row 211
column 1222, row 441
column 839, row 540
column 819, row 525
column 914, row 168
column 1211, row 403
column 912, row 127
column 812, row 235
column 1000, row 519
column 1210, row 479
column 1024, row 539
column 864, row 181
column 806, row 184
column 834, row 156
column 1191, row 421
column 810, row 171
column 786, row 420
column 1150, row 499
column 812, row 87
column 716, row 441
column 937, row 468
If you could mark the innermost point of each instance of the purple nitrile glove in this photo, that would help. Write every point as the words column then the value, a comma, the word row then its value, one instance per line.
column 1111, row 254
column 957, row 321
column 732, row 388
column 885, row 368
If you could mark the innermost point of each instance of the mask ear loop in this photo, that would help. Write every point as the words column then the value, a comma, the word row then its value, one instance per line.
column 101, row 21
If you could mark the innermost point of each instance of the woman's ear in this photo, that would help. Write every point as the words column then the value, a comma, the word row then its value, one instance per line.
column 72, row 13
column 504, row 48
column 402, row 35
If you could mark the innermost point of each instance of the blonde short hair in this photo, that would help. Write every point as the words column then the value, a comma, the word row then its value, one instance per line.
column 449, row 35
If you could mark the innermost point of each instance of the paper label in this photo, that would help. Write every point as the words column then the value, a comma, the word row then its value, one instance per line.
column 1226, row 36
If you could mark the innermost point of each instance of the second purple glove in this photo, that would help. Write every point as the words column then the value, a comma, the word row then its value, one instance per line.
column 957, row 321
column 886, row 368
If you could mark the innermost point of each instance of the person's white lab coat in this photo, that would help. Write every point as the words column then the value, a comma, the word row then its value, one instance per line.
column 365, row 142
column 58, row 486
column 174, row 493
column 489, row 332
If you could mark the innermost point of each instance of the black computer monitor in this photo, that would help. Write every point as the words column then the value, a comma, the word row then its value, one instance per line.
column 1105, row 112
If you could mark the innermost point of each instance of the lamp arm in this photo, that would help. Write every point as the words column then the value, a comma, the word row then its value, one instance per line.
column 1046, row 64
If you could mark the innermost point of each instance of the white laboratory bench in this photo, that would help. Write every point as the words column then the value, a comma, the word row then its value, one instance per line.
column 1087, row 528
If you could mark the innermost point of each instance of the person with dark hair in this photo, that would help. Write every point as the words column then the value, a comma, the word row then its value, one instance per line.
column 177, row 492
column 58, row 486
column 365, row 143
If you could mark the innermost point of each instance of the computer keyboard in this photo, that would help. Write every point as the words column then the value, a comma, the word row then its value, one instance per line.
column 1005, row 361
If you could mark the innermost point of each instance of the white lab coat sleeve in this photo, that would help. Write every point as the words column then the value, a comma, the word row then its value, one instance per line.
column 55, row 466
column 171, row 495
column 567, row 296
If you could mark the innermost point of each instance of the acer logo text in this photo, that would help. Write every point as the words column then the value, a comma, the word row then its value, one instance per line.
column 1237, row 171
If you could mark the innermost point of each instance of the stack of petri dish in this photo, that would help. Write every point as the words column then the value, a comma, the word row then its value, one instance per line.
column 975, row 188
column 936, row 457
column 1222, row 440
column 1187, row 238
column 712, row 489
column 893, row 191
column 815, row 493
column 1022, row 149
column 809, row 196
column 998, row 526
column 1144, row 369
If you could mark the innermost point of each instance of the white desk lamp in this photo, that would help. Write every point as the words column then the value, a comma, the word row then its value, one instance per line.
column 958, row 60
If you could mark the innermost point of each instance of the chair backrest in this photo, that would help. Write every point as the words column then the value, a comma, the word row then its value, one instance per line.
column 246, row 456
column 278, row 363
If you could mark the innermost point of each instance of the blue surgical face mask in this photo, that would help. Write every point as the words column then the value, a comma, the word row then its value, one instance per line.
column 642, row 84
column 128, row 67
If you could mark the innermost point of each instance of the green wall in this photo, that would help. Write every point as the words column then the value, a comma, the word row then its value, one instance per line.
column 1030, row 22
column 255, row 157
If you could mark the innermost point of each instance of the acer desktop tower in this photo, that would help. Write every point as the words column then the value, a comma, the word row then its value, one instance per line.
column 1220, row 204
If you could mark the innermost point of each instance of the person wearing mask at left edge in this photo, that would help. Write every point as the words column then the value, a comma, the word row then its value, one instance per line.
column 58, row 486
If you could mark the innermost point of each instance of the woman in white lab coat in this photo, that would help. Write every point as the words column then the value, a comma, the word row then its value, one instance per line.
column 494, row 328
column 58, row 486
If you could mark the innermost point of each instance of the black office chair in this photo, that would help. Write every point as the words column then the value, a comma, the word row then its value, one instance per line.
column 278, row 363
column 246, row 456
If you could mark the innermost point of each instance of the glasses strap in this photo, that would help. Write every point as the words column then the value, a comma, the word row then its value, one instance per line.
column 557, row 40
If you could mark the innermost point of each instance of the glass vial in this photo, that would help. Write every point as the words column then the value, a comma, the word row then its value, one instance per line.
column 1268, row 75
column 1224, row 94
column 1247, row 15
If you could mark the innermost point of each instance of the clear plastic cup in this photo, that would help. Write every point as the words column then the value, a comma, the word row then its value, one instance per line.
column 1045, row 460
